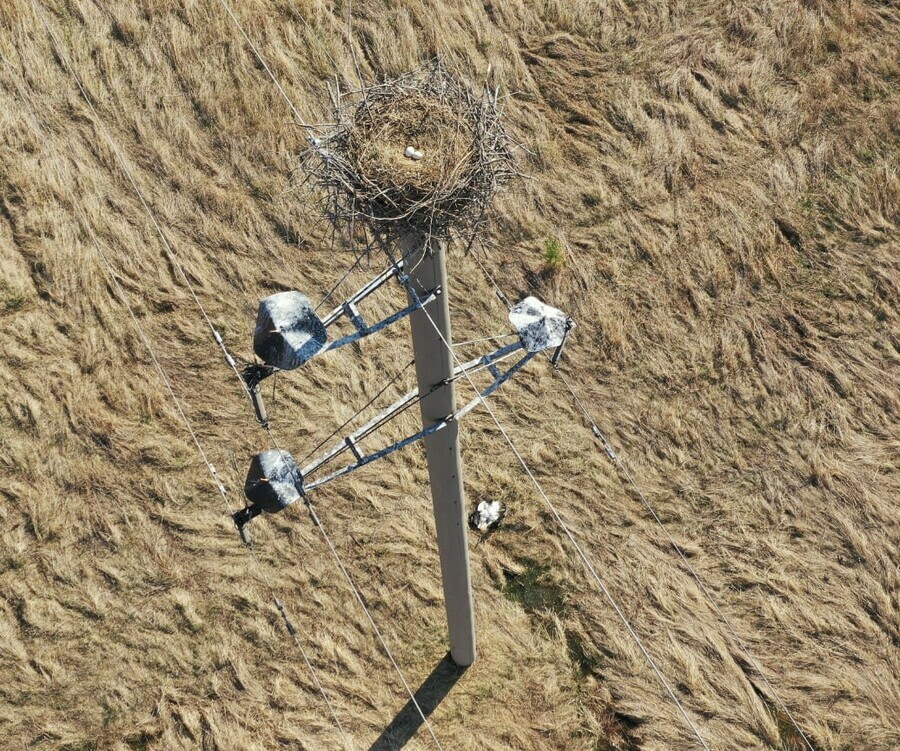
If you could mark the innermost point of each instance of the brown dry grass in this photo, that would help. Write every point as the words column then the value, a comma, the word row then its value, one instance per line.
column 724, row 178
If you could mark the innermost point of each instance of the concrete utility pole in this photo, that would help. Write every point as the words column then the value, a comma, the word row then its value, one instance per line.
column 425, row 258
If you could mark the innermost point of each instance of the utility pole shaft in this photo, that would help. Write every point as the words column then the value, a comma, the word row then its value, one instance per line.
column 426, row 265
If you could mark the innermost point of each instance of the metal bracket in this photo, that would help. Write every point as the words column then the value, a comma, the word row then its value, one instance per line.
column 352, row 445
column 554, row 358
column 362, row 330
column 487, row 362
column 253, row 374
column 539, row 327
column 296, row 321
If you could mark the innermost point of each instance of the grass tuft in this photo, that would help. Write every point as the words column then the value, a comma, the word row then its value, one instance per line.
column 554, row 255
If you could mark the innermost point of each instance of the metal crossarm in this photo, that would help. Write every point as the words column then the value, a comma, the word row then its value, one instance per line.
column 392, row 411
column 538, row 326
column 391, row 272
column 289, row 333
column 351, row 442
column 499, row 380
column 350, row 308
column 362, row 330
column 369, row 458
column 407, row 400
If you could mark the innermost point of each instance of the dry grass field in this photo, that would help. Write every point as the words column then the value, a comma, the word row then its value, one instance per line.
column 714, row 196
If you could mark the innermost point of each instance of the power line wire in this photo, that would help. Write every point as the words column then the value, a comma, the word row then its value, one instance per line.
column 268, row 429
column 309, row 505
column 503, row 298
column 391, row 382
column 340, row 281
column 614, row 456
column 317, row 522
column 564, row 527
column 518, row 455
column 173, row 257
column 178, row 406
column 617, row 460
column 375, row 628
column 229, row 359
column 494, row 338
column 222, row 491
column 300, row 121
column 315, row 518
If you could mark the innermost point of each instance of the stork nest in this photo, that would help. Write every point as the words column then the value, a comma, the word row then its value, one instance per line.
column 361, row 162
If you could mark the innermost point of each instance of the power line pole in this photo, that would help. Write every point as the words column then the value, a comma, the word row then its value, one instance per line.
column 426, row 260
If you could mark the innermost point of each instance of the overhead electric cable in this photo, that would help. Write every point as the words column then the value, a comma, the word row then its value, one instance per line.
column 340, row 281
column 187, row 423
column 494, row 338
column 221, row 488
column 229, row 359
column 397, row 408
column 391, row 382
column 317, row 522
column 614, row 456
column 375, row 628
column 309, row 506
column 300, row 121
column 503, row 298
column 617, row 460
column 564, row 527
column 173, row 257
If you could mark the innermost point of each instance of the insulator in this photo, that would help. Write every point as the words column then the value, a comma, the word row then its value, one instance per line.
column 539, row 326
column 288, row 331
column 273, row 481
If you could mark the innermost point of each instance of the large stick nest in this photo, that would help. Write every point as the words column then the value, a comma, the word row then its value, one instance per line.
column 361, row 161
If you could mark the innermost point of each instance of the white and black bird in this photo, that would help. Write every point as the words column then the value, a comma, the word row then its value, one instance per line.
column 487, row 516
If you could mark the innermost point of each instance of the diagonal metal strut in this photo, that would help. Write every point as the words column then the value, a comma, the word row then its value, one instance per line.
column 352, row 442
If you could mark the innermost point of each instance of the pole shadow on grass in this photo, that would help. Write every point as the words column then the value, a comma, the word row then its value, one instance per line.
column 429, row 695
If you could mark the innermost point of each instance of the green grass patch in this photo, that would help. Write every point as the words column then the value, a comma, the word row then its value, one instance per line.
column 554, row 254
column 534, row 589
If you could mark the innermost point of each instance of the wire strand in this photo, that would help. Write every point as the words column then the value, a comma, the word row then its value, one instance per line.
column 170, row 252
column 297, row 115
column 358, row 412
column 617, row 460
column 518, row 455
column 179, row 408
column 567, row 532
column 494, row 338
column 503, row 298
column 221, row 488
column 175, row 261
column 318, row 523
column 340, row 281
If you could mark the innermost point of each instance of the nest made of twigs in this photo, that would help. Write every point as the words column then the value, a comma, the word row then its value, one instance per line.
column 362, row 162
